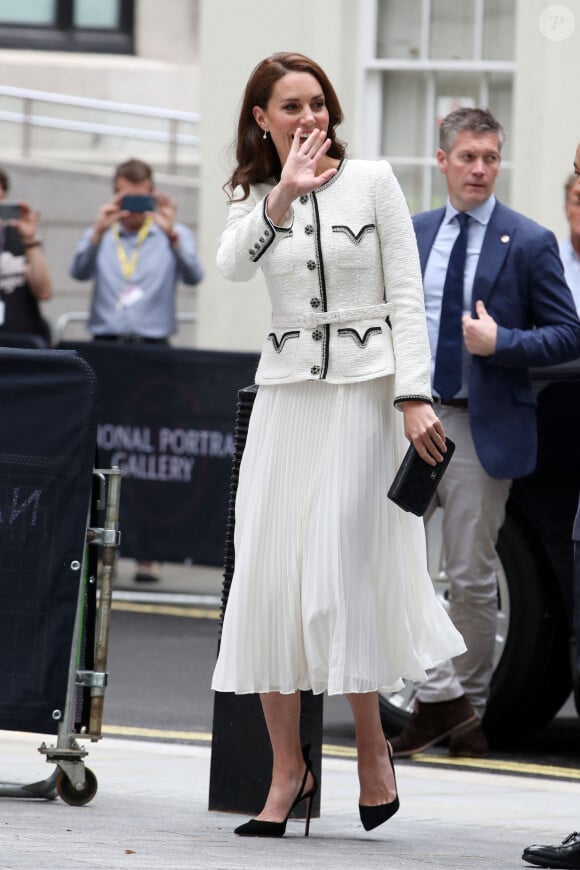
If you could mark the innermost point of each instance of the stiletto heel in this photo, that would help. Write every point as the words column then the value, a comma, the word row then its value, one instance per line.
column 258, row 828
column 373, row 816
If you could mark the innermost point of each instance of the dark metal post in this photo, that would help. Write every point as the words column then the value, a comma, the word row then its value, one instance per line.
column 241, row 757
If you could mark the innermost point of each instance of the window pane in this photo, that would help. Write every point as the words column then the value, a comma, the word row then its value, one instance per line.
column 454, row 91
column 404, row 114
column 411, row 180
column 498, row 30
column 502, row 186
column 452, row 29
column 41, row 12
column 500, row 105
column 103, row 14
column 399, row 29
column 438, row 189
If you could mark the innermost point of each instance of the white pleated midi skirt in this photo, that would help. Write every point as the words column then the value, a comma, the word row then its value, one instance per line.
column 330, row 590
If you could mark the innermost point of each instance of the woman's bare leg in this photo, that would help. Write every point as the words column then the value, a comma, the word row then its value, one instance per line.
column 375, row 772
column 282, row 715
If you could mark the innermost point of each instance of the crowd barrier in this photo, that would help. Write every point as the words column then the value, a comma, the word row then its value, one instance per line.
column 165, row 418
column 58, row 514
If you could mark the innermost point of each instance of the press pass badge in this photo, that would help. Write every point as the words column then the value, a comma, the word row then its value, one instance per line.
column 129, row 295
column 2, row 311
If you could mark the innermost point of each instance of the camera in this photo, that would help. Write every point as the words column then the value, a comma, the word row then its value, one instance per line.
column 9, row 211
column 137, row 202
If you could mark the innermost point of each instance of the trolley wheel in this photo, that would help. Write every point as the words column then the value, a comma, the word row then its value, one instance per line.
column 76, row 797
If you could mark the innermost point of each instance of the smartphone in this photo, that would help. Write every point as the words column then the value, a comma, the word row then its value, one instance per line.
column 137, row 202
column 9, row 211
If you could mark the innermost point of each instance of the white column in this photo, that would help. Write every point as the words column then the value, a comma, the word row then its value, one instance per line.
column 546, row 117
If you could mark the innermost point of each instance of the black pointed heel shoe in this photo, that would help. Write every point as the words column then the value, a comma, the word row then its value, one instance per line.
column 258, row 828
column 371, row 817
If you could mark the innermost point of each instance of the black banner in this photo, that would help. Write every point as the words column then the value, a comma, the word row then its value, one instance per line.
column 47, row 449
column 166, row 418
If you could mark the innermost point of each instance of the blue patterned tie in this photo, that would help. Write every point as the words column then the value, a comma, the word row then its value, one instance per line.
column 447, row 378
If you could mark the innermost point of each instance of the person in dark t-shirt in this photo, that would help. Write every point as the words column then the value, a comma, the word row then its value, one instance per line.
column 24, row 276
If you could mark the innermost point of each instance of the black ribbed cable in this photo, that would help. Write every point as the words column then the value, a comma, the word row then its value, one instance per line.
column 246, row 397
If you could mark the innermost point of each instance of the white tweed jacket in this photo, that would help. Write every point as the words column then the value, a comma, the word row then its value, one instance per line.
column 343, row 278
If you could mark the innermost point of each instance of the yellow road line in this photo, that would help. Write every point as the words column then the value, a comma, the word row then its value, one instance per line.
column 487, row 764
column 159, row 733
column 496, row 765
column 490, row 765
column 338, row 751
column 167, row 610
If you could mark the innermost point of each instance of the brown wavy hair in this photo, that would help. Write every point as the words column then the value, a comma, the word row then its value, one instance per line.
column 257, row 158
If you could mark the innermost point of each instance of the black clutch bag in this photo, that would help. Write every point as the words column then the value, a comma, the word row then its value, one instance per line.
column 416, row 481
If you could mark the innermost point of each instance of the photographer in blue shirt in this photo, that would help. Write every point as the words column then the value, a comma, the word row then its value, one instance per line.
column 135, row 254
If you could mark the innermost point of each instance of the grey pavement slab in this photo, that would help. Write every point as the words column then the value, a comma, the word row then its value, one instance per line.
column 150, row 811
column 173, row 579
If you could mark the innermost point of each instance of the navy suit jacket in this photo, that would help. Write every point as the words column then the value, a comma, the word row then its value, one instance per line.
column 520, row 279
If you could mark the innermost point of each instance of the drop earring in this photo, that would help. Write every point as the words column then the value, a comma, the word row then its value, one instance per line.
column 265, row 136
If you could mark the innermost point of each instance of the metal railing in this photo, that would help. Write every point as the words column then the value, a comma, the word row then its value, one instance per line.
column 170, row 134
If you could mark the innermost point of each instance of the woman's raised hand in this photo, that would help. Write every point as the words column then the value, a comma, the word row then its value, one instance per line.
column 300, row 169
column 299, row 174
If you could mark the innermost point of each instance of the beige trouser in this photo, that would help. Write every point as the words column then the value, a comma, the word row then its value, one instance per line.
column 473, row 512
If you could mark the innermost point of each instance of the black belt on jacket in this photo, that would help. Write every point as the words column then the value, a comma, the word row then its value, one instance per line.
column 451, row 403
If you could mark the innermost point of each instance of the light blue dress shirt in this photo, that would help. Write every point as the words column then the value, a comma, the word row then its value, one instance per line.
column 571, row 263
column 158, row 269
column 436, row 269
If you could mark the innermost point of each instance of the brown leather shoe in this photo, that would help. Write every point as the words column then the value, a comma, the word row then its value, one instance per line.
column 431, row 723
column 471, row 743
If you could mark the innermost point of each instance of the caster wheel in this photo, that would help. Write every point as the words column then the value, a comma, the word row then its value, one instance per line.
column 71, row 795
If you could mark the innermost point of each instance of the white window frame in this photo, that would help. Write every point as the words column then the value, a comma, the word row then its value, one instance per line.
column 369, row 102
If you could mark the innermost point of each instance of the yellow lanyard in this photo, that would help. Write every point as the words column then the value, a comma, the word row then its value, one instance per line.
column 129, row 264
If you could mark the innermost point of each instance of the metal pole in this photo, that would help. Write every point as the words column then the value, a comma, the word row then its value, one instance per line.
column 26, row 127
column 110, row 542
column 172, row 153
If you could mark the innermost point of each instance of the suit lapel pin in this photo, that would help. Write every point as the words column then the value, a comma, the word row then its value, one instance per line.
column 505, row 239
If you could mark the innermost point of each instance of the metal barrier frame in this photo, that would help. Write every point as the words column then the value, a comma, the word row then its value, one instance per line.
column 71, row 779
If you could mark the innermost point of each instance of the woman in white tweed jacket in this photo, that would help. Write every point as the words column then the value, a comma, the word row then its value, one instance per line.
column 330, row 589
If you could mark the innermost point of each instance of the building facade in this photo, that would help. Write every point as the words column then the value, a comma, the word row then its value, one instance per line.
column 397, row 66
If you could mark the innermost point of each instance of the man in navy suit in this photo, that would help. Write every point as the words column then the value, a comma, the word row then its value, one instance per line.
column 495, row 307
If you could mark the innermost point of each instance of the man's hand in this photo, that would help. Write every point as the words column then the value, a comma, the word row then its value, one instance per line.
column 164, row 216
column 27, row 223
column 108, row 214
column 480, row 335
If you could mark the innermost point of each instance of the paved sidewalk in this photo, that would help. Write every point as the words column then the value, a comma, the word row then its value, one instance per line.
column 196, row 580
column 150, row 811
